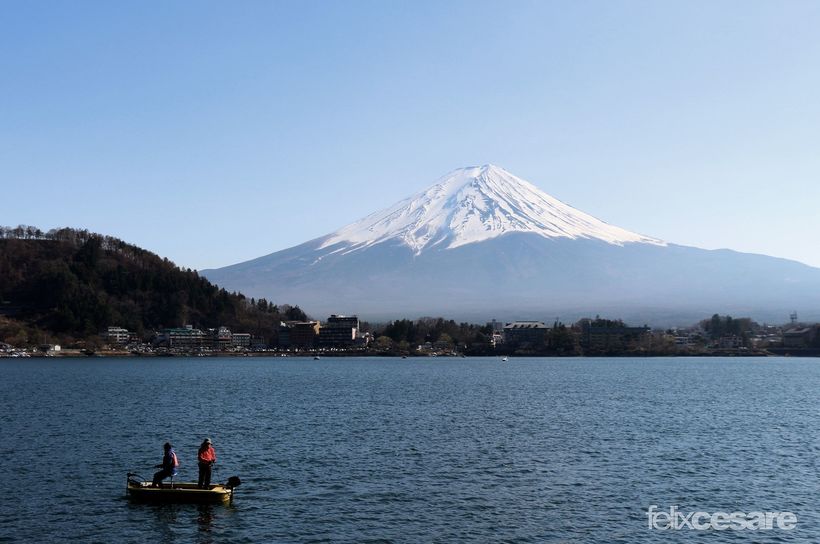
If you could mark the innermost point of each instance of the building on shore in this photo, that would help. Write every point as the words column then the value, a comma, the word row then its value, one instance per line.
column 298, row 334
column 116, row 335
column 730, row 341
column 339, row 331
column 184, row 338
column 241, row 340
column 188, row 338
column 49, row 349
column 800, row 337
column 612, row 338
column 525, row 334
column 221, row 339
column 495, row 326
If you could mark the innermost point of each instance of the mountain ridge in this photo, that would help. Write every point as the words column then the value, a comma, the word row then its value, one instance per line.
column 412, row 259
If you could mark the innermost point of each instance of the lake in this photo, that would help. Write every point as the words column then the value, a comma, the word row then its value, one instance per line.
column 413, row 450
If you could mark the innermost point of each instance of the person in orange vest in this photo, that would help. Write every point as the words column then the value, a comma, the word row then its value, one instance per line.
column 206, row 458
column 169, row 465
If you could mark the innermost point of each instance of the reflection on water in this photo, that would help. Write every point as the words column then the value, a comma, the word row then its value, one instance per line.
column 167, row 516
column 205, row 519
column 172, row 522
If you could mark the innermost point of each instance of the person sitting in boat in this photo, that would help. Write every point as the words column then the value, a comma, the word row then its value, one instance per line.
column 169, row 465
column 206, row 458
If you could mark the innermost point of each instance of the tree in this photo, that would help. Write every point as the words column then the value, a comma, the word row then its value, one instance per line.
column 561, row 340
column 74, row 283
column 384, row 343
column 294, row 313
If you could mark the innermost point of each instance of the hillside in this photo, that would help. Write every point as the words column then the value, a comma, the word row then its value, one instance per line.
column 71, row 284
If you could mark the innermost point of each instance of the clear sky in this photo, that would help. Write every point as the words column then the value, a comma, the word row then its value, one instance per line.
column 212, row 133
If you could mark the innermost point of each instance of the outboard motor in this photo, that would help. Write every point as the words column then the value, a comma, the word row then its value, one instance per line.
column 233, row 482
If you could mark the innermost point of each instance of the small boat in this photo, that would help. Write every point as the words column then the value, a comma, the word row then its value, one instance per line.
column 316, row 358
column 504, row 359
column 141, row 490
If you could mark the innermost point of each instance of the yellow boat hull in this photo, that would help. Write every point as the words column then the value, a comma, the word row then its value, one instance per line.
column 183, row 492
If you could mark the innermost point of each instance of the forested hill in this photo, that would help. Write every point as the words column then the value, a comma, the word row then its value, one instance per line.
column 71, row 284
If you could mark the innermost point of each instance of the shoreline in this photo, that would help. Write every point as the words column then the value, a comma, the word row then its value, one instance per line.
column 119, row 354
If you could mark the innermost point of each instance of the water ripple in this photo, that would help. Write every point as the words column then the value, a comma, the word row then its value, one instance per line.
column 387, row 450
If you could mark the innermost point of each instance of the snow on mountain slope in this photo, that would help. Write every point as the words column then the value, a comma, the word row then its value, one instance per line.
column 471, row 205
column 482, row 243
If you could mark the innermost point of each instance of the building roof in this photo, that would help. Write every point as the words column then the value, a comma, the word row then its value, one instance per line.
column 186, row 331
column 798, row 332
column 525, row 325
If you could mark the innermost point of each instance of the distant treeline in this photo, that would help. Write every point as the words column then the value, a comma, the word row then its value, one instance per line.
column 587, row 336
column 404, row 335
column 68, row 285
column 72, row 284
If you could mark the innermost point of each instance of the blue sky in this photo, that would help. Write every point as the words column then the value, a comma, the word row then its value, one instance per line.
column 213, row 133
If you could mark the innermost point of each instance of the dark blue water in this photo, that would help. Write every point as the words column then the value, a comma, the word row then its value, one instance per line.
column 416, row 450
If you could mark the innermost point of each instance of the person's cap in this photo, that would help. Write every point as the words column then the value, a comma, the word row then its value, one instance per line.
column 208, row 440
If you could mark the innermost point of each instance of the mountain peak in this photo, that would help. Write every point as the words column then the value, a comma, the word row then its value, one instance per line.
column 474, row 204
column 488, row 168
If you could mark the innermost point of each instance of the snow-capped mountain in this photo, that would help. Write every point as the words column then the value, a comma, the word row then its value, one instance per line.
column 481, row 243
column 471, row 205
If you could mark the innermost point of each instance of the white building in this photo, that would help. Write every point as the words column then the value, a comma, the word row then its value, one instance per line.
column 116, row 335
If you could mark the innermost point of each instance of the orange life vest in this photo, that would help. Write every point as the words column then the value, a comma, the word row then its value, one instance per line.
column 208, row 455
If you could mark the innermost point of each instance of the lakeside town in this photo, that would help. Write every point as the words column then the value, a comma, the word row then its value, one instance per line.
column 341, row 335
column 69, row 292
